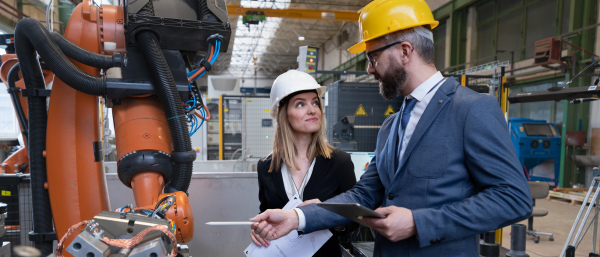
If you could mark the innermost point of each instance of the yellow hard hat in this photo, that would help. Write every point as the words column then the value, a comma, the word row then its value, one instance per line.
column 382, row 17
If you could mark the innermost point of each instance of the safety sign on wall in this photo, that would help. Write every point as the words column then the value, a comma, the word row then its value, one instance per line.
column 389, row 111
column 360, row 111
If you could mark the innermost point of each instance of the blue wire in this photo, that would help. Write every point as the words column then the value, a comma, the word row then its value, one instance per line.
column 192, row 104
column 203, row 113
column 190, row 117
column 193, row 101
column 216, row 53
column 195, row 125
column 192, row 72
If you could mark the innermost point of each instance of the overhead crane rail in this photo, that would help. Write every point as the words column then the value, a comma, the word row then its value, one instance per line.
column 296, row 13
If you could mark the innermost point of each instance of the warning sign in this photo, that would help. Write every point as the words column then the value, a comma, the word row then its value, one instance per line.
column 360, row 111
column 389, row 111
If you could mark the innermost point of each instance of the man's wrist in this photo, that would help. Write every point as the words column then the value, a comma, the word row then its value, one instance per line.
column 301, row 225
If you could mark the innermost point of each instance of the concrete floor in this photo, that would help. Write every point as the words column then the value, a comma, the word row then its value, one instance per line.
column 561, row 215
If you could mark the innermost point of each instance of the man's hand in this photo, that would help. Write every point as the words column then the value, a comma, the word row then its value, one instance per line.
column 398, row 225
column 311, row 201
column 258, row 240
column 273, row 224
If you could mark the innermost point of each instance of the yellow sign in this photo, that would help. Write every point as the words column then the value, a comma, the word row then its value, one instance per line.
column 389, row 111
column 5, row 193
column 360, row 111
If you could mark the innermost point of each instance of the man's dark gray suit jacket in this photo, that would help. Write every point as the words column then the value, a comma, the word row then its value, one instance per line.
column 459, row 175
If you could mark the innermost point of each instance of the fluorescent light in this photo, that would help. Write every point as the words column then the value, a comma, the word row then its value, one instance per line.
column 300, row 38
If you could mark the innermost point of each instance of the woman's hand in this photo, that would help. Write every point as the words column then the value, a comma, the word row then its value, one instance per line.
column 311, row 201
column 259, row 240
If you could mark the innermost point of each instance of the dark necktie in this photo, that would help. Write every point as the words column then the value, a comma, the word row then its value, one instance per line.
column 409, row 104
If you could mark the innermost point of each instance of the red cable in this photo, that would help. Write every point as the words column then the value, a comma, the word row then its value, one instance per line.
column 526, row 173
column 207, row 118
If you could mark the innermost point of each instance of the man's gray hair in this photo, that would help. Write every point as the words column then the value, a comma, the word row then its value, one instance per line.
column 423, row 45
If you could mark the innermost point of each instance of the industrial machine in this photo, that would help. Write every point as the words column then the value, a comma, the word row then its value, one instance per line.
column 141, row 58
column 355, row 112
column 537, row 142
column 343, row 134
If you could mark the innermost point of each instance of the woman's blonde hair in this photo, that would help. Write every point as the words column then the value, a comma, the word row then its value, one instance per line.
column 284, row 148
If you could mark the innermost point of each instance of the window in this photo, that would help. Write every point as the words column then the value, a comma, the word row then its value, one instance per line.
column 508, row 46
column 506, row 5
column 507, row 29
column 550, row 111
column 539, row 28
column 566, row 14
column 439, row 39
column 485, row 43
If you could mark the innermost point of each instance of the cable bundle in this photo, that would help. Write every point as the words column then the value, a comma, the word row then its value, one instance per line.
column 197, row 112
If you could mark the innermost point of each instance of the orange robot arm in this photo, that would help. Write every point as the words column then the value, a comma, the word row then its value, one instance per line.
column 154, row 153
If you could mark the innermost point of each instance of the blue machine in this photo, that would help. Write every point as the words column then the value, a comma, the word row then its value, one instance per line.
column 537, row 143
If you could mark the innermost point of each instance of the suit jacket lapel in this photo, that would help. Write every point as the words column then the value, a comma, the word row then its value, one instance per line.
column 437, row 103
column 388, row 153
column 278, row 178
column 316, row 178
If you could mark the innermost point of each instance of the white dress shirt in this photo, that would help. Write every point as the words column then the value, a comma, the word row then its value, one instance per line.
column 288, row 181
column 423, row 93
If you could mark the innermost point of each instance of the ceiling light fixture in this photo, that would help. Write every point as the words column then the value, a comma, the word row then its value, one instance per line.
column 301, row 38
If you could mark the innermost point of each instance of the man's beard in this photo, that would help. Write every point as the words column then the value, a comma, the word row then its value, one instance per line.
column 392, row 80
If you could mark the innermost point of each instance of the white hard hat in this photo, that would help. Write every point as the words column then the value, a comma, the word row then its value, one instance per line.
column 290, row 82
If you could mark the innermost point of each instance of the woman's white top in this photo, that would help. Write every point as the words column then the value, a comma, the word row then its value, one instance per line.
column 288, row 181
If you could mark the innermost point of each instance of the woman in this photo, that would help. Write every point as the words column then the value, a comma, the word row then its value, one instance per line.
column 302, row 162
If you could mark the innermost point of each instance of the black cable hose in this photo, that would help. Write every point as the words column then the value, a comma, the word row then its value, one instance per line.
column 13, row 76
column 35, row 34
column 164, row 85
column 38, row 117
column 84, row 56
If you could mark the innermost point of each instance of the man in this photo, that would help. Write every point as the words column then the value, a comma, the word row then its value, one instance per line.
column 444, row 169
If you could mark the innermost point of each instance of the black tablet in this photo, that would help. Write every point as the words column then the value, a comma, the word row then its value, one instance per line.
column 353, row 211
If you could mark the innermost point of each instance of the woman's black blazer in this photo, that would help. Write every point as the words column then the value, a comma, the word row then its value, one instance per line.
column 329, row 178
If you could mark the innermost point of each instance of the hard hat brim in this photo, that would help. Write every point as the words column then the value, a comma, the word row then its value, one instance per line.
column 360, row 47
column 320, row 91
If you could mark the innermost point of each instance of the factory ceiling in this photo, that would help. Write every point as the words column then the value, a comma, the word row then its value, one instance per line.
column 269, row 48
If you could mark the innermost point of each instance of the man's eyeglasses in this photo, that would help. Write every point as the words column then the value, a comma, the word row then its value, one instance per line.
column 372, row 60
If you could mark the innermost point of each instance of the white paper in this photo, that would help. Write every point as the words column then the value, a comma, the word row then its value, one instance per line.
column 292, row 244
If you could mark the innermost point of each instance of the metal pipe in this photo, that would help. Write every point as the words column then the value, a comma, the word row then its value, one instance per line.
column 489, row 247
column 518, row 234
column 587, row 214
column 587, row 196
